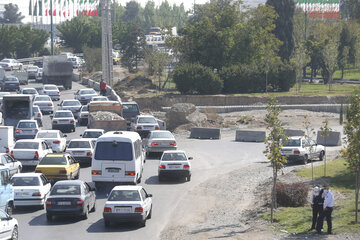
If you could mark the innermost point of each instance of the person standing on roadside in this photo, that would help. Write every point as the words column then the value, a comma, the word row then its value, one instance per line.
column 327, row 210
column 103, row 87
column 317, row 202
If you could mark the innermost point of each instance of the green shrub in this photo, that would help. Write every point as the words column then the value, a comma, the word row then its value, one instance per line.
column 92, row 57
column 292, row 195
column 196, row 78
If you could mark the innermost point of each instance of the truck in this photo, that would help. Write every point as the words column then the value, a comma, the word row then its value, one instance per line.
column 6, row 190
column 57, row 70
column 6, row 139
column 130, row 111
column 106, row 115
column 16, row 107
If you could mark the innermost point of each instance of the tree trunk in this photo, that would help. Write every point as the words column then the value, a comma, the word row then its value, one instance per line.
column 357, row 195
column 342, row 73
column 273, row 194
column 266, row 81
column 311, row 75
column 330, row 81
column 325, row 159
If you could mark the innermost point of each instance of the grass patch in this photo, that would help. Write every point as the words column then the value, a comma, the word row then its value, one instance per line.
column 342, row 183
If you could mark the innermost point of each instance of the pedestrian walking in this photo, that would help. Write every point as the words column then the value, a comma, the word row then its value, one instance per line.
column 327, row 210
column 317, row 201
column 103, row 87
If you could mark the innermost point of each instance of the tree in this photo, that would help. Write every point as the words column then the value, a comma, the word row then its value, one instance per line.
column 284, row 25
column 299, row 59
column 274, row 143
column 156, row 62
column 352, row 150
column 11, row 14
column 309, row 132
column 132, row 13
column 149, row 14
column 343, row 49
column 330, row 59
column 325, row 132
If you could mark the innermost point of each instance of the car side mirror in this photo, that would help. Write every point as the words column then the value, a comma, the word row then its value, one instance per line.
column 149, row 195
column 190, row 158
column 9, row 218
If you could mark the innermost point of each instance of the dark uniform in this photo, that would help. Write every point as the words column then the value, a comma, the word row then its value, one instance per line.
column 317, row 207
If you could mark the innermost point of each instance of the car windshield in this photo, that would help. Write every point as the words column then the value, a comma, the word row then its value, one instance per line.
column 124, row 195
column 5, row 60
column 130, row 108
column 71, row 103
column 173, row 156
column 47, row 135
column 114, row 151
column 92, row 134
column 66, row 190
column 26, row 125
column 52, row 160
column 292, row 143
column 147, row 120
column 29, row 91
column 42, row 98
column 50, row 88
column 85, row 108
column 161, row 135
column 25, row 181
column 63, row 114
column 26, row 145
column 90, row 91
column 79, row 144
column 32, row 68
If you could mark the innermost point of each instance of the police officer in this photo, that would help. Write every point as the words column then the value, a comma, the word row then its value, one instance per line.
column 316, row 200
column 327, row 210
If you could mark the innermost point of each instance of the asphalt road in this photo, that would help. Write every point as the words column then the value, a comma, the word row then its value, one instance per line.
column 211, row 157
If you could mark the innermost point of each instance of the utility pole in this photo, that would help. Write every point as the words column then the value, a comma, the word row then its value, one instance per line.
column 51, row 28
column 106, row 42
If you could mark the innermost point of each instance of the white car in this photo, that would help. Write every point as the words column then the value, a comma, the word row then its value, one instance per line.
column 30, row 151
column 32, row 71
column 30, row 189
column 81, row 149
column 39, row 75
column 54, row 138
column 92, row 133
column 9, row 162
column 51, row 90
column 174, row 164
column 73, row 105
column 10, row 64
column 299, row 149
column 63, row 120
column 38, row 116
column 29, row 91
column 83, row 115
column 85, row 95
column 144, row 124
column 26, row 129
column 45, row 103
column 128, row 204
column 99, row 99
column 9, row 227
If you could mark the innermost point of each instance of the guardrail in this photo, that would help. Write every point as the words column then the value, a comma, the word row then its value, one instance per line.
column 37, row 59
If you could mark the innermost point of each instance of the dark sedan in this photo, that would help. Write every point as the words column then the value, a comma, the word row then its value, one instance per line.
column 10, row 83
column 71, row 198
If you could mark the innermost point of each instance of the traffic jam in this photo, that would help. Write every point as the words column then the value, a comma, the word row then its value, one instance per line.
column 50, row 133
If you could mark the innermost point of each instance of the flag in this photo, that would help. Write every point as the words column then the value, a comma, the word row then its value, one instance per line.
column 35, row 9
column 30, row 8
column 40, row 8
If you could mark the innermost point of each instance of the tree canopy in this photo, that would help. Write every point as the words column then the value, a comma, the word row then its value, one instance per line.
column 11, row 14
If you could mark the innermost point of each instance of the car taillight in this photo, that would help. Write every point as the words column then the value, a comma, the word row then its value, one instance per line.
column 49, row 104
column 38, row 171
column 62, row 171
column 83, row 115
column 17, row 131
column 157, row 128
column 55, row 122
column 138, row 127
column 12, row 154
column 36, row 131
column 139, row 209
column 44, row 91
column 154, row 144
column 107, row 209
column 58, row 92
column 7, row 150
column 36, row 194
column 173, row 143
column 96, row 172
column 79, row 202
column 296, row 152
column 186, row 166
column 162, row 166
column 72, row 121
column 39, row 115
column 56, row 142
column 48, row 203
column 36, row 155
column 82, row 97
column 89, row 154
column 130, row 173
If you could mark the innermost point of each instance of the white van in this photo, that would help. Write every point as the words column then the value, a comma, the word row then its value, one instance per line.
column 118, row 158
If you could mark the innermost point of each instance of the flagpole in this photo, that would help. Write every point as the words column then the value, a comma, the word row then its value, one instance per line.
column 51, row 28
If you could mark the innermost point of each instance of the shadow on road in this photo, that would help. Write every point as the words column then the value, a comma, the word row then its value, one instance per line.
column 99, row 227
column 41, row 220
column 154, row 180
column 26, row 209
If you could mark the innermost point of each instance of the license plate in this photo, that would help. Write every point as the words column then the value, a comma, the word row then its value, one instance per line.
column 78, row 153
column 146, row 127
column 64, row 203
column 113, row 170
column 22, row 194
column 174, row 166
column 123, row 209
column 63, row 120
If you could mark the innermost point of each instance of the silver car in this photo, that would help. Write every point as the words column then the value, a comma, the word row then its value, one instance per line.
column 85, row 95
column 84, row 115
column 45, row 103
column 159, row 141
column 32, row 71
column 63, row 120
column 51, row 90
column 72, row 105
column 26, row 129
column 38, row 116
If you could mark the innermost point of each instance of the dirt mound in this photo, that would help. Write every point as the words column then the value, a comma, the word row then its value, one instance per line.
column 132, row 85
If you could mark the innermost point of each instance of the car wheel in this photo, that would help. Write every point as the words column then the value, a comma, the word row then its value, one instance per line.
column 107, row 223
column 77, row 175
column 321, row 156
column 149, row 216
column 18, row 170
column 138, row 180
column 9, row 209
column 306, row 158
column 188, row 178
column 86, row 213
column 15, row 233
column 142, row 223
column 49, row 217
column 94, row 207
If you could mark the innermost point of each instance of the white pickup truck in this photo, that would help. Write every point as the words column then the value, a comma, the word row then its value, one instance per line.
column 299, row 149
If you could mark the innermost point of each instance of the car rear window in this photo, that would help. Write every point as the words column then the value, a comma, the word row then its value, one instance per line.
column 87, row 91
column 29, row 91
column 66, row 190
column 26, row 145
column 124, row 195
column 85, row 108
column 161, row 135
column 50, row 88
column 114, row 151
column 71, row 103
column 292, row 143
column 43, row 98
column 53, row 161
column 92, row 134
column 63, row 114
column 147, row 120
column 130, row 108
column 79, row 144
column 173, row 156
column 47, row 135
column 25, row 181
column 11, row 79
column 27, row 125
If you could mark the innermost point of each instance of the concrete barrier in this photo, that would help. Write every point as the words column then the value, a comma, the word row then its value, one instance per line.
column 205, row 133
column 162, row 124
column 333, row 139
column 96, row 86
column 294, row 132
column 250, row 136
